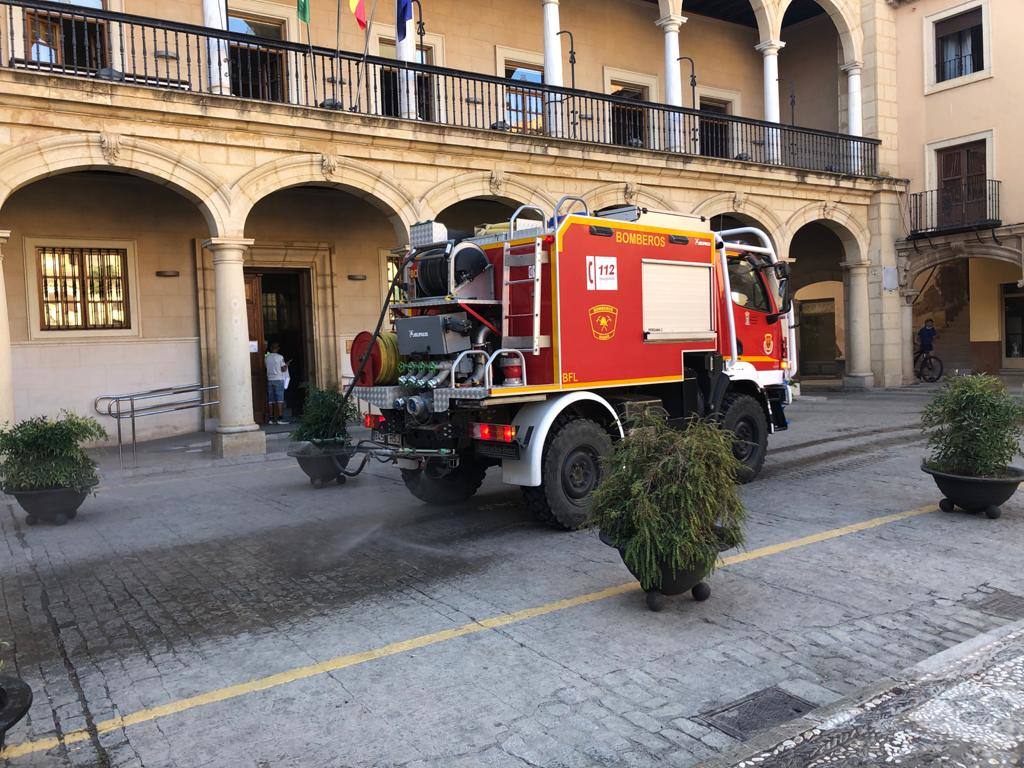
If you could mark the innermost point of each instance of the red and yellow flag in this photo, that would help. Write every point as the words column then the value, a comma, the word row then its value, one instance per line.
column 358, row 7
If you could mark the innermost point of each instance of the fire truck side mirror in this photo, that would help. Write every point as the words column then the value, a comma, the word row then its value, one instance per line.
column 785, row 290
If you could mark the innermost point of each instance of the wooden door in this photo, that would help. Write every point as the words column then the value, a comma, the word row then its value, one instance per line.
column 962, row 187
column 254, row 313
column 817, row 344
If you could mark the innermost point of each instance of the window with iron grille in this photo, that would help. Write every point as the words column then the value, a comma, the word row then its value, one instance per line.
column 83, row 288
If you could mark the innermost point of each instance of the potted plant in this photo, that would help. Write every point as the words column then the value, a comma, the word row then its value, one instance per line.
column 974, row 427
column 670, row 504
column 323, row 432
column 15, row 699
column 45, row 468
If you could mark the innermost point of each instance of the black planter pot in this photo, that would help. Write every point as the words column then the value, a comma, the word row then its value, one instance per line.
column 976, row 494
column 322, row 467
column 51, row 505
column 672, row 583
column 15, row 699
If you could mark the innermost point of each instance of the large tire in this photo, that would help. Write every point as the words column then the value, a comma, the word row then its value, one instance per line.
column 744, row 416
column 570, row 471
column 453, row 488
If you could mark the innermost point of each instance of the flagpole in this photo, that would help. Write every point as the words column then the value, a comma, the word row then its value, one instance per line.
column 312, row 61
column 366, row 53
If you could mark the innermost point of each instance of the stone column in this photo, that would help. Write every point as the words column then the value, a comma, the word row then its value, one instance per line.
column 907, row 333
column 218, row 66
column 673, row 80
column 858, row 329
column 854, row 112
column 6, row 377
column 772, row 112
column 406, row 51
column 552, row 67
column 237, row 434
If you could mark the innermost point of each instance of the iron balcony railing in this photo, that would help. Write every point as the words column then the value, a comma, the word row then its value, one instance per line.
column 955, row 207
column 55, row 38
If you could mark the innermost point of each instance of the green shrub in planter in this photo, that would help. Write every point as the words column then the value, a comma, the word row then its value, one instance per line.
column 669, row 498
column 974, row 427
column 325, row 416
column 42, row 453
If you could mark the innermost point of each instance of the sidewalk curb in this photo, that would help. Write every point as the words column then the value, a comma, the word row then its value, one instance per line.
column 849, row 706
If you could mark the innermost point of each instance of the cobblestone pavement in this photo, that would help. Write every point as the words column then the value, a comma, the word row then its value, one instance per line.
column 966, row 711
column 177, row 585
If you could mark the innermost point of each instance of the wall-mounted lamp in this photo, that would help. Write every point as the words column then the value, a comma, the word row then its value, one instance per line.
column 168, row 273
column 357, row 278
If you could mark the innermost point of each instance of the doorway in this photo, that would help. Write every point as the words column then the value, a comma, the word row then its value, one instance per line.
column 817, row 344
column 279, row 309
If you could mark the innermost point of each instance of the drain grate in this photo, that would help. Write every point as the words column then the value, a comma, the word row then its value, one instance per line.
column 764, row 709
column 1003, row 603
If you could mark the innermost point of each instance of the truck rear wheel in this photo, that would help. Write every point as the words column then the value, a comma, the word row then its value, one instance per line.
column 453, row 487
column 570, row 471
column 744, row 417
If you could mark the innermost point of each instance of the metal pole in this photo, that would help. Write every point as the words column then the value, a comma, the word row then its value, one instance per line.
column 572, row 56
column 421, row 28
column 120, row 441
column 135, row 451
column 693, row 80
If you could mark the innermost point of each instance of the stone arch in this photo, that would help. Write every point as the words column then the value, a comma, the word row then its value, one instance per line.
column 933, row 258
column 843, row 16
column 480, row 184
column 769, row 22
column 850, row 230
column 374, row 187
column 743, row 205
column 80, row 152
column 625, row 193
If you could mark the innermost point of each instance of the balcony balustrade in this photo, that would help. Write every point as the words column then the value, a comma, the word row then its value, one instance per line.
column 955, row 207
column 54, row 38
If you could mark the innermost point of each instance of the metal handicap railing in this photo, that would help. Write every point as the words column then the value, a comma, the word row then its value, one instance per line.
column 124, row 407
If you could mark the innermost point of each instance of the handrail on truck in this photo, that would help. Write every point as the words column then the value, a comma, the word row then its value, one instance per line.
column 522, row 209
column 110, row 405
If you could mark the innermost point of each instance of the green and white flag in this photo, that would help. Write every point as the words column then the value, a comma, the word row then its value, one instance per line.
column 304, row 11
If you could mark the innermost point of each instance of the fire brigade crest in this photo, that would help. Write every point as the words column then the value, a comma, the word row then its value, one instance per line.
column 603, row 319
column 769, row 344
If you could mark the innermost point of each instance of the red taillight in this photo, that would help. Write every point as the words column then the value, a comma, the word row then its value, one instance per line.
column 373, row 420
column 501, row 433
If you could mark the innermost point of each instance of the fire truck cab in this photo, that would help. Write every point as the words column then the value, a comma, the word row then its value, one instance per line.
column 531, row 344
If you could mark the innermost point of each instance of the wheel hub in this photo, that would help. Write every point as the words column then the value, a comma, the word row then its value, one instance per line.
column 743, row 445
column 580, row 472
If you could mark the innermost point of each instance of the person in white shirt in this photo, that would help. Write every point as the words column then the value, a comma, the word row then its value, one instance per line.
column 277, row 372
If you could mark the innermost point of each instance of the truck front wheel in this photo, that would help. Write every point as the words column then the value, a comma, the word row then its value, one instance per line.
column 744, row 417
column 570, row 471
column 452, row 487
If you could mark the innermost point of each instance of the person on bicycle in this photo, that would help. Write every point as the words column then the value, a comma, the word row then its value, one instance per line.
column 926, row 337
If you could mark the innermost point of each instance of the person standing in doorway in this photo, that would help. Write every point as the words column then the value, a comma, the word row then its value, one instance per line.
column 277, row 372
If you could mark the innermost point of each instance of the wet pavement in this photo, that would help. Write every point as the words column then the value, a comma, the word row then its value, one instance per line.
column 231, row 615
column 964, row 707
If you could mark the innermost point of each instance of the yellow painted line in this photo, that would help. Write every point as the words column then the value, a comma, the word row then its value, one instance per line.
column 434, row 638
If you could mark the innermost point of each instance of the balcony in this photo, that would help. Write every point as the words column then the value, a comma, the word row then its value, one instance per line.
column 957, row 207
column 55, row 39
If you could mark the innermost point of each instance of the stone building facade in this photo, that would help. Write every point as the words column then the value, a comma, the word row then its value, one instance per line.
column 960, row 253
column 214, row 203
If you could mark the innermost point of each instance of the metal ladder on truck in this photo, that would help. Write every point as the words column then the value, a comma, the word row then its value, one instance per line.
column 532, row 256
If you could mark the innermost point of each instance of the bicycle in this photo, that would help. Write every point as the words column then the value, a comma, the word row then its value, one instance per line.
column 927, row 366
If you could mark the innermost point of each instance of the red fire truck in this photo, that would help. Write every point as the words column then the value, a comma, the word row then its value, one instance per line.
column 529, row 345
